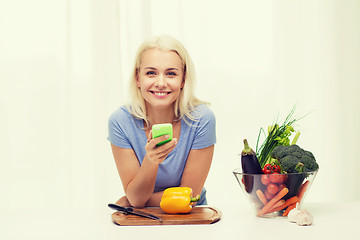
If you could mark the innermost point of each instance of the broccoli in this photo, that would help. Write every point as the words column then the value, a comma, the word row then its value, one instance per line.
column 294, row 159
column 279, row 151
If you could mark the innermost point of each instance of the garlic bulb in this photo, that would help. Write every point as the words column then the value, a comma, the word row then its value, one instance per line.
column 304, row 218
column 292, row 216
column 301, row 217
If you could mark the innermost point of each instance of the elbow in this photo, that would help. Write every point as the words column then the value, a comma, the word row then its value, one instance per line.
column 137, row 203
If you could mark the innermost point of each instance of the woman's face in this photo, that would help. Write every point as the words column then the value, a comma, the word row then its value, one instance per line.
column 160, row 78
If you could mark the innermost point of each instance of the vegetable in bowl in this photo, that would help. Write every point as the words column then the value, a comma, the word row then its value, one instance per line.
column 278, row 134
column 275, row 198
column 294, row 159
column 278, row 174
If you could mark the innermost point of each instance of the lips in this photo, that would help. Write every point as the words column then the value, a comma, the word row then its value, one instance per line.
column 160, row 93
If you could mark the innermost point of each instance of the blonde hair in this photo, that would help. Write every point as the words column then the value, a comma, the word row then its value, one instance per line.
column 187, row 101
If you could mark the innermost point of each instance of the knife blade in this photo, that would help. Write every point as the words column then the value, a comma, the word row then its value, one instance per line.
column 129, row 210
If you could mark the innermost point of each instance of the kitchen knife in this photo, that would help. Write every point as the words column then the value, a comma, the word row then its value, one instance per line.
column 129, row 210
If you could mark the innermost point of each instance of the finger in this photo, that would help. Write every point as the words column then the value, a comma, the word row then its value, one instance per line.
column 158, row 154
column 164, row 150
column 149, row 137
column 167, row 147
column 160, row 139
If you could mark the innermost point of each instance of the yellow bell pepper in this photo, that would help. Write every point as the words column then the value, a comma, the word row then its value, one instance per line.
column 178, row 200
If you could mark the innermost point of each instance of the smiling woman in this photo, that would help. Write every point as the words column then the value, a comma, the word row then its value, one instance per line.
column 164, row 49
column 160, row 78
column 162, row 92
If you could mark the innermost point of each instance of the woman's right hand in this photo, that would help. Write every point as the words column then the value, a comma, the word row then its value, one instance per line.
column 123, row 201
column 157, row 154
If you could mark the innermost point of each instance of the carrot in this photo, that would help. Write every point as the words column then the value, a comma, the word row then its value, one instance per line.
column 289, row 208
column 276, row 205
column 276, row 198
column 287, row 203
column 302, row 186
column 302, row 190
column 261, row 196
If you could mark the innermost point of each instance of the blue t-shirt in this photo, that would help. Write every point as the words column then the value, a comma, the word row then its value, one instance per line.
column 125, row 131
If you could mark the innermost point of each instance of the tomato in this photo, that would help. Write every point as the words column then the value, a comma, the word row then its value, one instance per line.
column 267, row 169
column 268, row 165
column 265, row 179
column 270, row 168
column 276, row 168
column 281, row 178
column 276, row 178
column 268, row 195
column 272, row 188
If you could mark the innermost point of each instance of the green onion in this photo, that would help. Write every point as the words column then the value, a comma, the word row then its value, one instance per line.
column 277, row 135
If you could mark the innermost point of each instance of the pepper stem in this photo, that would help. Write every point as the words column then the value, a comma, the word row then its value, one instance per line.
column 195, row 199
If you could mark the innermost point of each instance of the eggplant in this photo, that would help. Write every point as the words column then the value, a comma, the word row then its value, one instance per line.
column 249, row 161
column 250, row 165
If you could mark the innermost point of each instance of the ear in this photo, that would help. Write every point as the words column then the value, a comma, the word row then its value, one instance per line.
column 137, row 83
column 137, row 79
column 183, row 82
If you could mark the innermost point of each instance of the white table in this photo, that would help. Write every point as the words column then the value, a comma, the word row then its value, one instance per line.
column 334, row 220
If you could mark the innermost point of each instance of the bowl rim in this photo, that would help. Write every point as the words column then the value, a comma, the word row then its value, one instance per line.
column 239, row 171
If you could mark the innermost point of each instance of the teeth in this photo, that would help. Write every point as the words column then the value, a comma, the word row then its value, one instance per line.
column 160, row 93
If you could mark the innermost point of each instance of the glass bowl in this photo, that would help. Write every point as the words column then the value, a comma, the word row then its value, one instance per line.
column 270, row 195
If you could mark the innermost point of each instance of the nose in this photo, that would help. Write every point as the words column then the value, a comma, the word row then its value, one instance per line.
column 160, row 81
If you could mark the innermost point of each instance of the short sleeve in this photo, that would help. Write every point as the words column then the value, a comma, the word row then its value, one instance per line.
column 205, row 134
column 116, row 123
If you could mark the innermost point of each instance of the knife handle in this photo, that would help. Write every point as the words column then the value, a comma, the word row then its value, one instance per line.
column 119, row 208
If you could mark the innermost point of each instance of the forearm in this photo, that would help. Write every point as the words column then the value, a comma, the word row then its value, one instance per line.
column 197, row 169
column 155, row 199
column 141, row 188
column 139, row 180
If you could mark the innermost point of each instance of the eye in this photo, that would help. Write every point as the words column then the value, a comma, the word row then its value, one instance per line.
column 150, row 73
column 173, row 74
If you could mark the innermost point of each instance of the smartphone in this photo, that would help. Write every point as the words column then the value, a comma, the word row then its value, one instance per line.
column 161, row 130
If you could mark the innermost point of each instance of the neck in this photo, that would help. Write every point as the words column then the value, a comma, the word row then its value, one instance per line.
column 161, row 115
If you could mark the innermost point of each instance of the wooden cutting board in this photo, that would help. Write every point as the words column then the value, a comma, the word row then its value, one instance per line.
column 198, row 215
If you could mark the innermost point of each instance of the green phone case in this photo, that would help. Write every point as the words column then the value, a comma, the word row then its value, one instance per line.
column 162, row 129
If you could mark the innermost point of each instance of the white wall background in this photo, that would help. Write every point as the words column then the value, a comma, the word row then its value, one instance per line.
column 64, row 67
